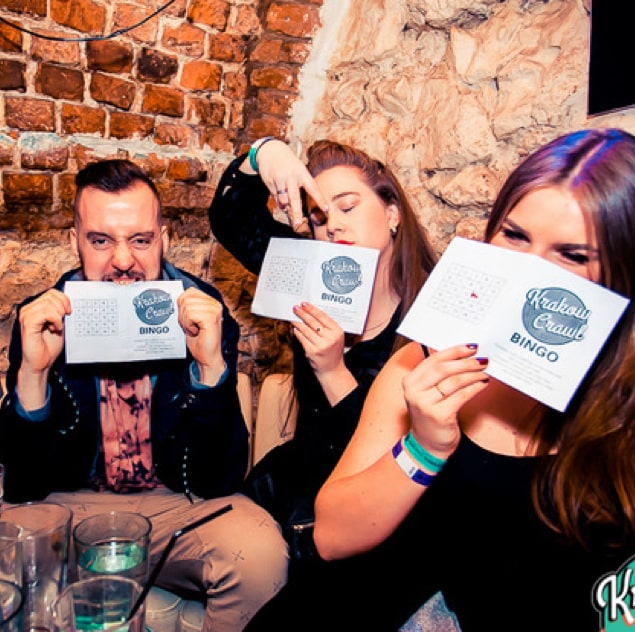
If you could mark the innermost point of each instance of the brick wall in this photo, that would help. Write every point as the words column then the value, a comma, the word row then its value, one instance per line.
column 180, row 94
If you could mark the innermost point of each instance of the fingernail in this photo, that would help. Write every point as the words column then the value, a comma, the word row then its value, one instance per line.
column 482, row 361
column 471, row 345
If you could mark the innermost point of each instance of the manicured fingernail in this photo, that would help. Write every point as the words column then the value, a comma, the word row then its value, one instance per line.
column 471, row 345
column 482, row 361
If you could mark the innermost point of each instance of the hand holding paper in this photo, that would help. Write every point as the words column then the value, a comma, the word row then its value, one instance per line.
column 540, row 326
column 336, row 278
column 42, row 327
column 201, row 317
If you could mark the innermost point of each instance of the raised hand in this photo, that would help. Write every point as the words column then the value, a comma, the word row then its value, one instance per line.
column 42, row 331
column 201, row 318
column 323, row 342
column 320, row 336
column 436, row 390
column 284, row 174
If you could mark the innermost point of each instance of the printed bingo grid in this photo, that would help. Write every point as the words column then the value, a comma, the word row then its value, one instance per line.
column 95, row 317
column 286, row 274
column 466, row 293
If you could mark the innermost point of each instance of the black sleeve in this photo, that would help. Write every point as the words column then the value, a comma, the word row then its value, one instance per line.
column 240, row 219
column 206, row 452
column 56, row 454
column 53, row 454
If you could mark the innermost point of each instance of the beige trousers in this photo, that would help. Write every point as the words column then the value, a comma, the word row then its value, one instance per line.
column 236, row 562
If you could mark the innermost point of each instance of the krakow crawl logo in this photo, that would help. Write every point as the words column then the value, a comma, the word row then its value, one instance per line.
column 341, row 275
column 153, row 307
column 614, row 598
column 552, row 316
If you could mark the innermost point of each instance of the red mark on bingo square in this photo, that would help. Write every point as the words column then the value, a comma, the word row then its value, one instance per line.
column 473, row 294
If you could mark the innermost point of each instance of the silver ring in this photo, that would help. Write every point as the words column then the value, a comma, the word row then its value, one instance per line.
column 281, row 191
column 440, row 391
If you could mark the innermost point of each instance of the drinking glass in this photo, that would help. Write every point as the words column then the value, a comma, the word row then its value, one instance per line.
column 10, row 552
column 191, row 616
column 45, row 541
column 162, row 610
column 11, row 605
column 102, row 602
column 113, row 543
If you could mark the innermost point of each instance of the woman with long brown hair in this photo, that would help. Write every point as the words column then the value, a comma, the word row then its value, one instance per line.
column 517, row 510
column 347, row 197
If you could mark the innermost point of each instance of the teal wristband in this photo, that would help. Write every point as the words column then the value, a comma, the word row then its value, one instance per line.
column 427, row 460
column 253, row 151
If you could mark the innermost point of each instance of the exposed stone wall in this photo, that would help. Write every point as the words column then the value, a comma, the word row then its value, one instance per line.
column 451, row 93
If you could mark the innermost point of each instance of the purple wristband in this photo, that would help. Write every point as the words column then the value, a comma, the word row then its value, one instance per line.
column 409, row 467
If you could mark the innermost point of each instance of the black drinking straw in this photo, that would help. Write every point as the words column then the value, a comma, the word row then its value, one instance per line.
column 164, row 556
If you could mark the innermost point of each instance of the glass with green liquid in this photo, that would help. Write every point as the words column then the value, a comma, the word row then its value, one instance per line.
column 114, row 543
column 103, row 602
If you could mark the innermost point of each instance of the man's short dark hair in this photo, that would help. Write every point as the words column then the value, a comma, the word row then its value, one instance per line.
column 111, row 176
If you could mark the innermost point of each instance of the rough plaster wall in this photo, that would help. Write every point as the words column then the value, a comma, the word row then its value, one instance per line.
column 451, row 93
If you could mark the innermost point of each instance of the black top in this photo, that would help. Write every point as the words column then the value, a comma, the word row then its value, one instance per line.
column 243, row 224
column 475, row 538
